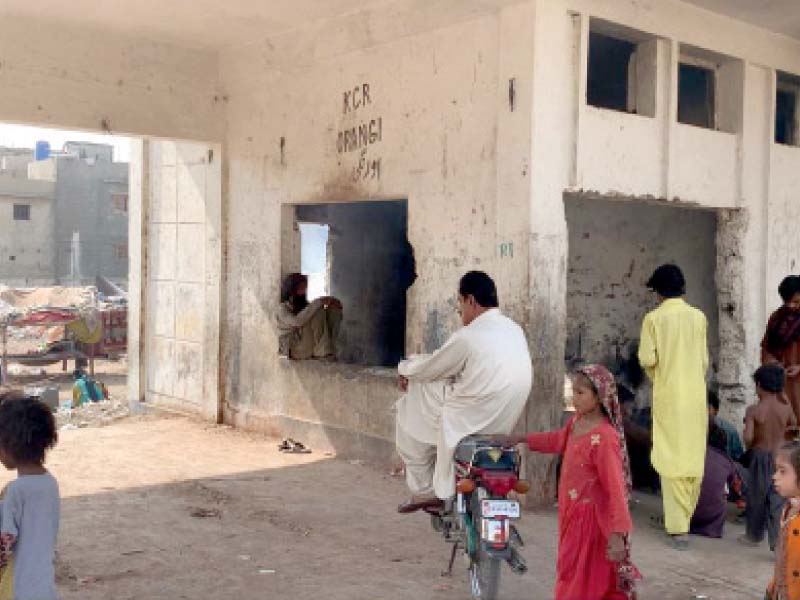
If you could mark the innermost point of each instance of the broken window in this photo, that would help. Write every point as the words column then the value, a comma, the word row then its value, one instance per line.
column 621, row 69
column 359, row 253
column 786, row 115
column 22, row 212
column 696, row 95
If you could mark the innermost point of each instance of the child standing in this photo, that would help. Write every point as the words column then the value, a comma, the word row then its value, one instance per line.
column 593, row 519
column 765, row 428
column 785, row 584
column 30, row 504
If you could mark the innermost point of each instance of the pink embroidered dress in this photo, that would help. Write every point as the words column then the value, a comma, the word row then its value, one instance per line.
column 592, row 504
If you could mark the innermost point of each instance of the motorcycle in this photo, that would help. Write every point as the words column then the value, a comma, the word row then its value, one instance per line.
column 478, row 520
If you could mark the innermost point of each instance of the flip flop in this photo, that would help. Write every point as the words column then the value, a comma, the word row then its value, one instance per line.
column 298, row 448
column 291, row 446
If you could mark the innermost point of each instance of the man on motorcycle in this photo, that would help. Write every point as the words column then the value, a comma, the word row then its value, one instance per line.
column 477, row 382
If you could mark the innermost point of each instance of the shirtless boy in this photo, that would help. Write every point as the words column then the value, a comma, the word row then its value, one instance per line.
column 766, row 424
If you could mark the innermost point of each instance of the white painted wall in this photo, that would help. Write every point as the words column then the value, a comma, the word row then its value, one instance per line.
column 783, row 243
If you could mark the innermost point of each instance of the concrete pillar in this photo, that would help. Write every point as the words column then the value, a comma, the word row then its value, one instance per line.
column 743, row 244
column 138, row 204
column 559, row 51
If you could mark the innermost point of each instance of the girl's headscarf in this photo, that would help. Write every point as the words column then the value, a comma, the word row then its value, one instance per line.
column 606, row 388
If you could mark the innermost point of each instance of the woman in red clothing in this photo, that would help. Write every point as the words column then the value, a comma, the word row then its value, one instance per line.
column 594, row 522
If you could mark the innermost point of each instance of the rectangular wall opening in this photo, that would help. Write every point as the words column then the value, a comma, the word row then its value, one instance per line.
column 359, row 253
column 614, row 246
column 621, row 70
column 696, row 96
column 710, row 90
column 786, row 113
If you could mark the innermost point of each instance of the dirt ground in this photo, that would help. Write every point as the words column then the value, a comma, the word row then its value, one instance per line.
column 158, row 506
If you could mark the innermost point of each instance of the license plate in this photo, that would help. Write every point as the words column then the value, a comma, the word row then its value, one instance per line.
column 500, row 508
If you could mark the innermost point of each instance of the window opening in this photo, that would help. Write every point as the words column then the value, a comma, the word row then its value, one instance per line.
column 314, row 258
column 786, row 114
column 22, row 212
column 696, row 95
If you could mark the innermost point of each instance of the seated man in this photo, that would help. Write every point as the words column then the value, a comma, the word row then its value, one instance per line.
column 477, row 382
column 734, row 449
column 307, row 330
column 719, row 477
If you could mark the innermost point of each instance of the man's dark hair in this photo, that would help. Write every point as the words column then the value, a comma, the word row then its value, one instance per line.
column 481, row 287
column 789, row 287
column 27, row 427
column 718, row 438
column 771, row 378
column 713, row 400
column 668, row 281
column 289, row 291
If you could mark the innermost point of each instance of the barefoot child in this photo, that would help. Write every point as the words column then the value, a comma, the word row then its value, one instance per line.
column 593, row 519
column 30, row 503
column 765, row 428
column 785, row 584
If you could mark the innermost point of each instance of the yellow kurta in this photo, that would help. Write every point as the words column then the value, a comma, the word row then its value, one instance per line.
column 674, row 353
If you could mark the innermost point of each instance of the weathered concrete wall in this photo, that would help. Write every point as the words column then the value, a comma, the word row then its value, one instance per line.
column 613, row 248
column 371, row 269
column 443, row 135
column 26, row 247
column 99, row 80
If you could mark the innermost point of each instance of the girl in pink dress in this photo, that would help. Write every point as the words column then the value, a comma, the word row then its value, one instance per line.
column 594, row 523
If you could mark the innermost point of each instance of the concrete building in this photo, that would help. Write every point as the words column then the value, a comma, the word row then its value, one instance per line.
column 78, row 226
column 27, row 250
column 565, row 146
column 91, row 206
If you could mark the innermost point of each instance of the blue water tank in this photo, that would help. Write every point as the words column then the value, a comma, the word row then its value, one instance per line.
column 42, row 151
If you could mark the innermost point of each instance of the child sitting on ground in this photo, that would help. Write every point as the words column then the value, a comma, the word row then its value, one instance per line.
column 593, row 519
column 785, row 584
column 766, row 424
column 29, row 512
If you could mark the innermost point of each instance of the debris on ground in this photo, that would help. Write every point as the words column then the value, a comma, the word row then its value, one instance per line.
column 93, row 414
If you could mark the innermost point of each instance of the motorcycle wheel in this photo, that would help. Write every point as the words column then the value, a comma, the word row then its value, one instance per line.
column 484, row 576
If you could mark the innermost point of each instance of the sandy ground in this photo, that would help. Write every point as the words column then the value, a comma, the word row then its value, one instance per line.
column 299, row 527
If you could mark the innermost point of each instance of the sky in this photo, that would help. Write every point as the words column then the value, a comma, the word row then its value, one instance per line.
column 21, row 136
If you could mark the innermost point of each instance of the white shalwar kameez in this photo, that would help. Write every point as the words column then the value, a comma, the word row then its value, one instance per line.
column 477, row 382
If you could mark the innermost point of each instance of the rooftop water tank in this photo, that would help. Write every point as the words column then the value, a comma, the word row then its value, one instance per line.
column 42, row 151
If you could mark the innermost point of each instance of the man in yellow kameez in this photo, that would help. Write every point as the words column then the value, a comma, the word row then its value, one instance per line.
column 674, row 353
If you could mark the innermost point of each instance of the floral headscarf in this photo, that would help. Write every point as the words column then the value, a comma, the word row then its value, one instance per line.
column 606, row 388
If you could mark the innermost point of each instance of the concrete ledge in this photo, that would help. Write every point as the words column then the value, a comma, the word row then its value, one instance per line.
column 344, row 409
column 320, row 438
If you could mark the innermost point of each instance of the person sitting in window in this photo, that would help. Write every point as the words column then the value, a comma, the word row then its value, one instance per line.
column 307, row 329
